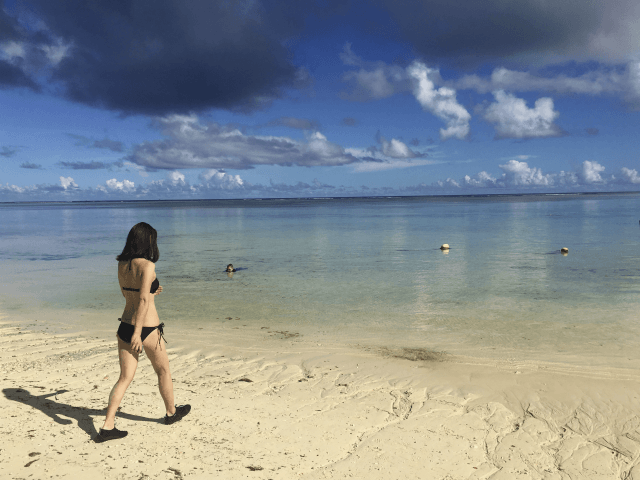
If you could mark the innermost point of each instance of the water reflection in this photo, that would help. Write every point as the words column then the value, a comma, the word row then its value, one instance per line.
column 357, row 268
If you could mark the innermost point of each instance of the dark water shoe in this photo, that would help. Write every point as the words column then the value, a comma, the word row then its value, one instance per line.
column 181, row 411
column 113, row 434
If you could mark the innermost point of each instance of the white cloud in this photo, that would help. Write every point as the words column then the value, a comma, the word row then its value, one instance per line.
column 440, row 102
column 57, row 52
column 390, row 155
column 519, row 173
column 513, row 119
column 64, row 190
column 28, row 56
column 448, row 183
column 68, row 183
column 140, row 169
column 10, row 50
column 479, row 180
column 377, row 80
column 630, row 176
column 396, row 149
column 567, row 179
column 6, row 188
column 590, row 83
column 616, row 80
column 321, row 150
column 516, row 176
column 590, row 172
column 213, row 184
column 373, row 84
column 114, row 185
column 190, row 144
column 373, row 80
column 213, row 178
column 171, row 187
column 176, row 178
column 348, row 57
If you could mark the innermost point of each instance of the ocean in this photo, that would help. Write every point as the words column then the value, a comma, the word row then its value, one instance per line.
column 358, row 271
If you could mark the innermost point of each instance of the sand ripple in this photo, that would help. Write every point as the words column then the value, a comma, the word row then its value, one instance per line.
column 284, row 407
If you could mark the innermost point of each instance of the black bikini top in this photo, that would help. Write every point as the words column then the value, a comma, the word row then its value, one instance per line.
column 154, row 287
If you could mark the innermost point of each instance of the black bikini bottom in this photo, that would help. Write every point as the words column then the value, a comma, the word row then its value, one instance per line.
column 125, row 332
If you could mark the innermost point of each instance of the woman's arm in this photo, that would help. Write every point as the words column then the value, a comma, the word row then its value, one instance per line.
column 148, row 273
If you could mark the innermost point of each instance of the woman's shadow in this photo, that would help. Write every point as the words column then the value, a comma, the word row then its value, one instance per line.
column 54, row 409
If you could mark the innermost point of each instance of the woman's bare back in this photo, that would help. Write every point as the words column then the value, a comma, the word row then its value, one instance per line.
column 135, row 278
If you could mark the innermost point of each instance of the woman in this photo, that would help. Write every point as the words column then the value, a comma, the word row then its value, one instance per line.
column 140, row 327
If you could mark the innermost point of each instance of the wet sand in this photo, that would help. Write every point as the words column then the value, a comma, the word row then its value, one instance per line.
column 272, row 404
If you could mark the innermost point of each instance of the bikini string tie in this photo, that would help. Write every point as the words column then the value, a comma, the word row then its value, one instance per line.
column 161, row 332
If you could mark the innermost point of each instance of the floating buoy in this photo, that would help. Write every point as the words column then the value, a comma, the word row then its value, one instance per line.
column 445, row 246
column 564, row 250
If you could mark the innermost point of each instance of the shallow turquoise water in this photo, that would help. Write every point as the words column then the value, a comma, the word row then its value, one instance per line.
column 365, row 271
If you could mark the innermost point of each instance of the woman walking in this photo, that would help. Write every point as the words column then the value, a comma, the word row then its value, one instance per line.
column 140, row 327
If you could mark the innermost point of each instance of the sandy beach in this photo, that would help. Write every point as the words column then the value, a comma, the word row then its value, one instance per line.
column 270, row 405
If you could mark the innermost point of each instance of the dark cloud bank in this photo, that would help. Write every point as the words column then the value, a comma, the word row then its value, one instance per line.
column 155, row 57
column 162, row 56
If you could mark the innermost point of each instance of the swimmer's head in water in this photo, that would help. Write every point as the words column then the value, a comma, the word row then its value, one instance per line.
column 230, row 268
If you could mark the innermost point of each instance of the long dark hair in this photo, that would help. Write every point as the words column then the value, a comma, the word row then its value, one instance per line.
column 142, row 242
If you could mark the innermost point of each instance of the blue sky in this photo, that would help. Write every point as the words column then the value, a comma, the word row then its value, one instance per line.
column 240, row 99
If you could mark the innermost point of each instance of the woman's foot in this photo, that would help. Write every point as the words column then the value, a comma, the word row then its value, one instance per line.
column 181, row 411
column 113, row 434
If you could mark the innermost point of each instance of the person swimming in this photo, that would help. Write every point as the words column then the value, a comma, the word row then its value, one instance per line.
column 230, row 268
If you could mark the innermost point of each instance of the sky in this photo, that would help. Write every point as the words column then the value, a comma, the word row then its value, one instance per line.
column 193, row 99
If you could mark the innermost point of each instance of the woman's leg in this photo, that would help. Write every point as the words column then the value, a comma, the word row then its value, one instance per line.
column 157, row 354
column 128, row 365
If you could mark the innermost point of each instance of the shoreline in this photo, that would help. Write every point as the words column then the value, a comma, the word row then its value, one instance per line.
column 496, row 194
column 281, row 406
